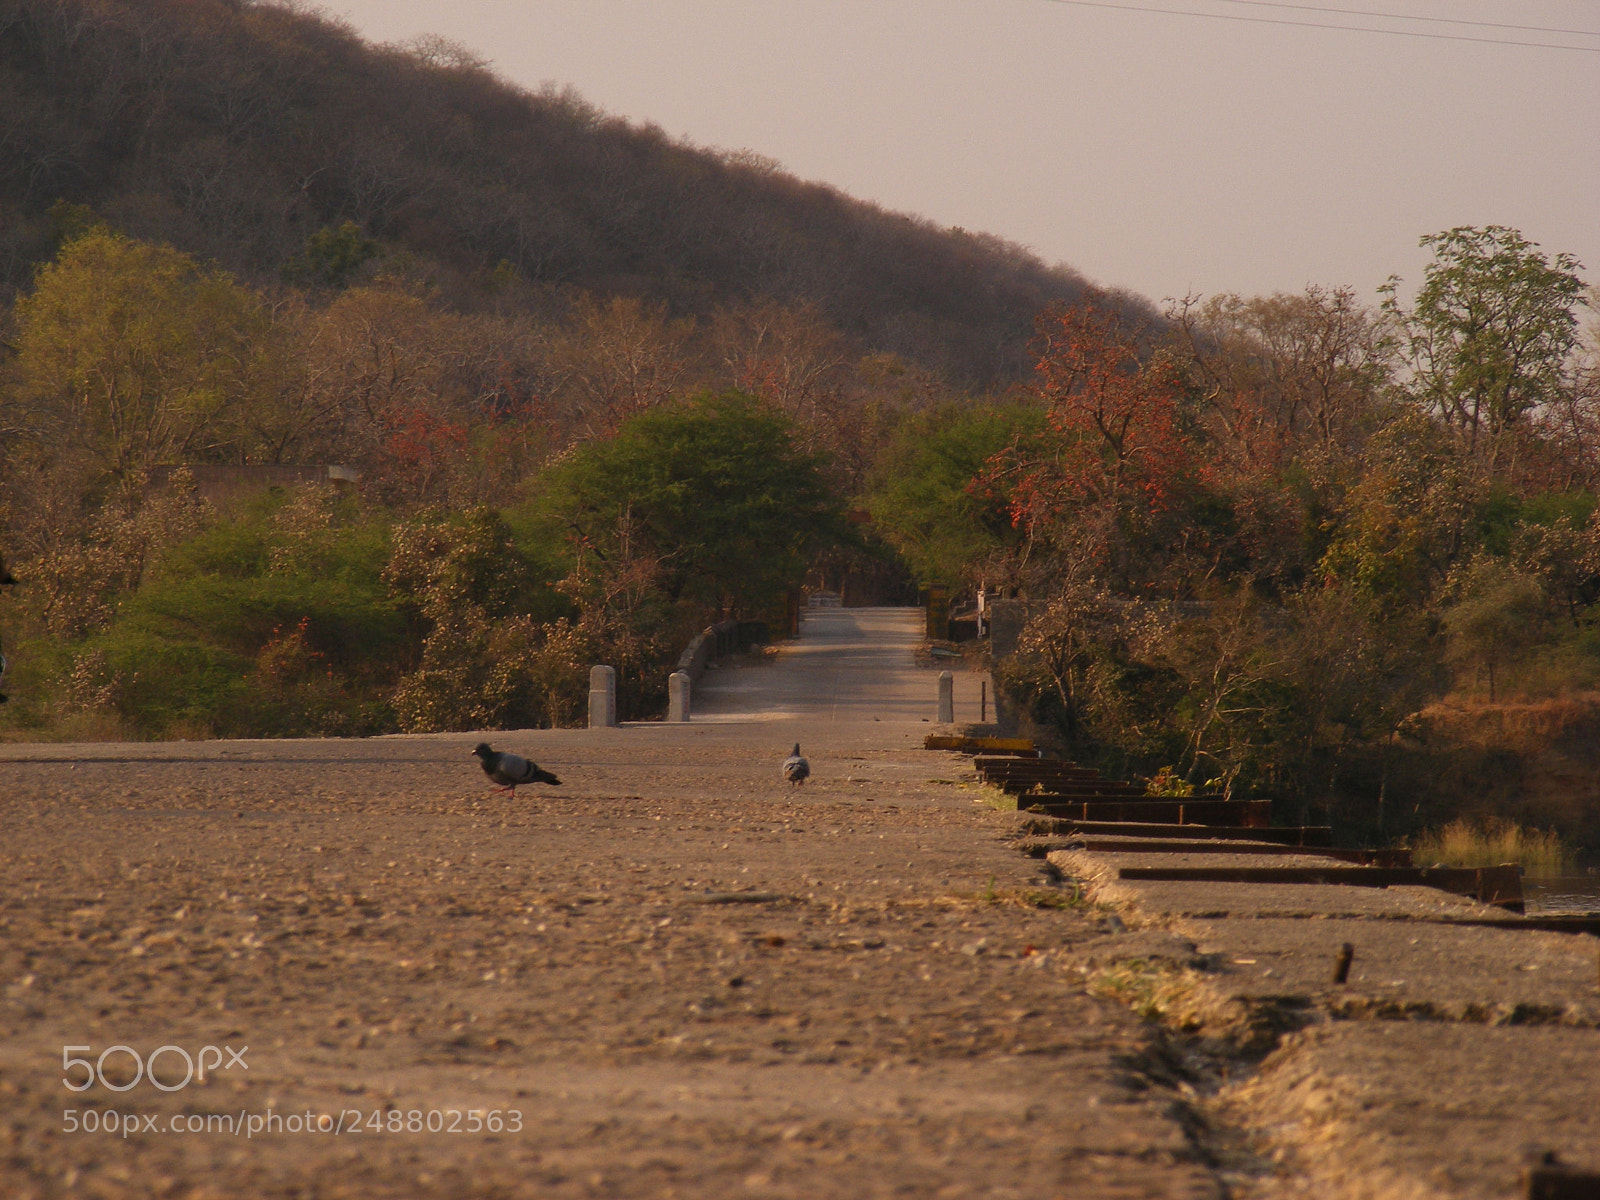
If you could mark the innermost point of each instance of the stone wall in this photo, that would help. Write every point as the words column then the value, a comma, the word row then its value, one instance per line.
column 721, row 640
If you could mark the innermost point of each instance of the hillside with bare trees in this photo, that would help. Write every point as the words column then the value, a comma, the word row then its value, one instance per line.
column 239, row 132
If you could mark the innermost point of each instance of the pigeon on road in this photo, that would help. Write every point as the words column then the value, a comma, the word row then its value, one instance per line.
column 795, row 768
column 509, row 770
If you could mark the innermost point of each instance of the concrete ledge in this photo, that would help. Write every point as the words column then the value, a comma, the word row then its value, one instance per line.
column 719, row 641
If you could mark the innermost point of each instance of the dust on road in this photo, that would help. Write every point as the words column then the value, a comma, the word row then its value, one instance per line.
column 683, row 977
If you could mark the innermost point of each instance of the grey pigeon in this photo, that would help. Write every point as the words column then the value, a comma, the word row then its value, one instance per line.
column 795, row 768
column 509, row 770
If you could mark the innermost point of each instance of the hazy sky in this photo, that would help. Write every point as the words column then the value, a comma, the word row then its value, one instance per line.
column 1157, row 152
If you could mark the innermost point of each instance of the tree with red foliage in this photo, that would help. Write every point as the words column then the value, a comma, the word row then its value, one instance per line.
column 422, row 445
column 1113, row 456
column 1115, row 408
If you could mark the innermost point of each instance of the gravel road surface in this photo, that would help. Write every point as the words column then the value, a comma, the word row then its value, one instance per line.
column 674, row 975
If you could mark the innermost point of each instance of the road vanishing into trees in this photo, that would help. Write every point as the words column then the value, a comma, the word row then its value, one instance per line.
column 850, row 665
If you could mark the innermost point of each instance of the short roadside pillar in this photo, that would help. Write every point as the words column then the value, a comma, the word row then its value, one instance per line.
column 947, row 698
column 602, row 697
column 678, row 696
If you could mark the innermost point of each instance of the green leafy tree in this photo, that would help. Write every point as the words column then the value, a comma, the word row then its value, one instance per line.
column 1560, row 547
column 333, row 255
column 926, row 498
column 269, row 620
column 137, row 352
column 713, row 490
column 1499, row 614
column 1405, row 524
column 1491, row 332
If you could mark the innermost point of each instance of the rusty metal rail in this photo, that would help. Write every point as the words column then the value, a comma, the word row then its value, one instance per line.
column 1112, row 816
column 1057, row 794
column 1249, row 814
column 1081, row 789
column 1014, row 747
column 1298, row 835
column 1501, row 886
column 1000, row 766
column 1367, row 858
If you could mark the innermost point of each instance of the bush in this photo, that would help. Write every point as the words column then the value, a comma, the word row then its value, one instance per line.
column 495, row 649
column 270, row 620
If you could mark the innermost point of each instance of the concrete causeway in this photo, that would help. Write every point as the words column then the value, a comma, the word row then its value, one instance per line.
column 851, row 667
column 686, row 978
column 673, row 976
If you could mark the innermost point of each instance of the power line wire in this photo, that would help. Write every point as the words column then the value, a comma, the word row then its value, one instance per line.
column 1394, row 16
column 1411, row 33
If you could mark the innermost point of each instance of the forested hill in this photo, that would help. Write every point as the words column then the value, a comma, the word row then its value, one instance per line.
column 236, row 131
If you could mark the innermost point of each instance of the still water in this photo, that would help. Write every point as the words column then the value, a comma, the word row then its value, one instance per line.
column 1562, row 893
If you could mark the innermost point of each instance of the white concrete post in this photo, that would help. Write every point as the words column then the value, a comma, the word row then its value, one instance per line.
column 947, row 698
column 678, row 696
column 602, row 697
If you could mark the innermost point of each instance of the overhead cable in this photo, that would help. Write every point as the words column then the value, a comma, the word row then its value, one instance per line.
column 1394, row 16
column 1410, row 33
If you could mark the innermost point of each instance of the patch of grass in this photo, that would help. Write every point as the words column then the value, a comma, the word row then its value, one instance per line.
column 996, row 799
column 1157, row 991
column 1465, row 843
column 1057, row 898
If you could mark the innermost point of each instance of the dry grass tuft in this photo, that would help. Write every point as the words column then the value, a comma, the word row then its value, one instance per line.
column 1176, row 997
column 997, row 799
column 1464, row 843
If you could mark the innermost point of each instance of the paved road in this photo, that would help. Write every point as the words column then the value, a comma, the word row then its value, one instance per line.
column 684, row 978
column 850, row 666
column 676, row 976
